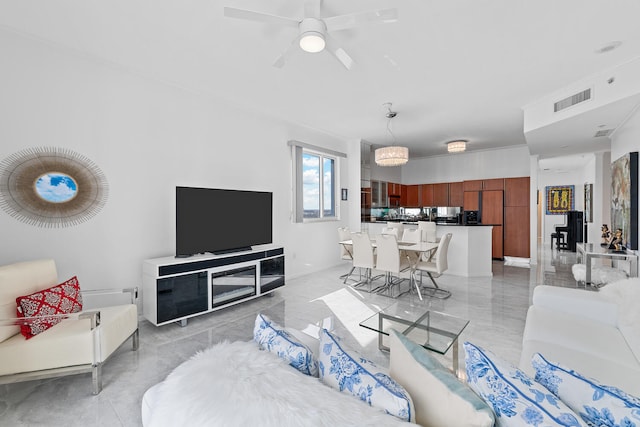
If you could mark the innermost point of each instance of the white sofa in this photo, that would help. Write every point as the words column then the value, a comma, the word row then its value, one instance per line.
column 597, row 334
column 80, row 343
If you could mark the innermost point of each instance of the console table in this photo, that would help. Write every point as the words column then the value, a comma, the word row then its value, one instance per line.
column 175, row 289
column 588, row 251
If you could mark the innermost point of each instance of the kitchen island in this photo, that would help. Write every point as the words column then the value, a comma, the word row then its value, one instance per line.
column 469, row 253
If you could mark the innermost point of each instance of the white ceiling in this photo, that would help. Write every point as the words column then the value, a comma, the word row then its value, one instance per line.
column 453, row 69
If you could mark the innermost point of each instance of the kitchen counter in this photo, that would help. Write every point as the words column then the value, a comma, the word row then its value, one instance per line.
column 469, row 253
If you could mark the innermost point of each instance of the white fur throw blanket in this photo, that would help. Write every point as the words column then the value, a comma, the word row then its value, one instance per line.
column 236, row 384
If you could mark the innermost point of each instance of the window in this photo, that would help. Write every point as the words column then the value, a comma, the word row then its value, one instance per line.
column 318, row 186
column 316, row 183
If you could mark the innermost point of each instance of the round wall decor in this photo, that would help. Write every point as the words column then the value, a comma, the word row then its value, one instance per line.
column 51, row 187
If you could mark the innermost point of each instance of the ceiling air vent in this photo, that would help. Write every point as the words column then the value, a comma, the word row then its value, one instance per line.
column 603, row 132
column 572, row 100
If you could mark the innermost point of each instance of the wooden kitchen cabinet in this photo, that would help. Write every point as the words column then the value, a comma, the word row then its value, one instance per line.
column 493, row 213
column 441, row 194
column 394, row 190
column 474, row 185
column 516, row 217
column 471, row 201
column 427, row 195
column 516, row 231
column 412, row 196
column 456, row 194
column 516, row 191
column 493, row 184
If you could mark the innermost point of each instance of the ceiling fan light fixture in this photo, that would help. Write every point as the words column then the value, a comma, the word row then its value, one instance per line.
column 457, row 146
column 392, row 156
column 312, row 42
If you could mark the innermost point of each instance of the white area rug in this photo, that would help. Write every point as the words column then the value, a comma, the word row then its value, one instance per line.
column 236, row 384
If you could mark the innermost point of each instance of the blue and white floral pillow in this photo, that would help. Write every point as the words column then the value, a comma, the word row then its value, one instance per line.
column 274, row 338
column 347, row 371
column 516, row 399
column 597, row 404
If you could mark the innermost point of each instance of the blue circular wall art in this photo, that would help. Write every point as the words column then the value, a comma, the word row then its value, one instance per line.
column 51, row 187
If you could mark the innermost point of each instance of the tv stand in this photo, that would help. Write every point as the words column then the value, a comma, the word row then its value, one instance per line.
column 175, row 289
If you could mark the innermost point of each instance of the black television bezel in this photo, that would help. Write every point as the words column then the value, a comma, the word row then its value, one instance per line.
column 228, row 247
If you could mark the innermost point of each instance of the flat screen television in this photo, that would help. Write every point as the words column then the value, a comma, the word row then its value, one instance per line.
column 220, row 221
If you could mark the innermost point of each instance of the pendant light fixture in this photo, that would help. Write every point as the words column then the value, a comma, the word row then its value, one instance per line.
column 393, row 155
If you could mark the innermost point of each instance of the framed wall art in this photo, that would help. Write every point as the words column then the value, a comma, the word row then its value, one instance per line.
column 588, row 206
column 560, row 199
column 624, row 198
column 51, row 187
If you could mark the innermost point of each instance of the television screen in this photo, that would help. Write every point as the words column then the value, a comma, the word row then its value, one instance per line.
column 216, row 220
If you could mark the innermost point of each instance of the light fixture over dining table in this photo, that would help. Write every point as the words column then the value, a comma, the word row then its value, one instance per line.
column 392, row 155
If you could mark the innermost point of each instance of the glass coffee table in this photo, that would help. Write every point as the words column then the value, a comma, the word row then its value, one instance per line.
column 435, row 331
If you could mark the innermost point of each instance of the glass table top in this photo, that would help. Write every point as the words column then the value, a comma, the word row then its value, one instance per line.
column 433, row 330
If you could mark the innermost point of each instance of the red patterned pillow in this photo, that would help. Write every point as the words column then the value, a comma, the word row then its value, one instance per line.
column 61, row 299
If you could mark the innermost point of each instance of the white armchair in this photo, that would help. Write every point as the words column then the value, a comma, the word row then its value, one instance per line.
column 80, row 343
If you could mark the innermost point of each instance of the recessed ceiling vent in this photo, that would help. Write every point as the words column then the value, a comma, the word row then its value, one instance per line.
column 572, row 100
column 603, row 132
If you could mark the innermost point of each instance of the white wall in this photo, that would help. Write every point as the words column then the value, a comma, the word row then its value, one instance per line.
column 574, row 177
column 504, row 163
column 147, row 137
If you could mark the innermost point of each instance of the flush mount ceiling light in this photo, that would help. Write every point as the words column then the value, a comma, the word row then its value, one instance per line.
column 312, row 35
column 393, row 155
column 457, row 146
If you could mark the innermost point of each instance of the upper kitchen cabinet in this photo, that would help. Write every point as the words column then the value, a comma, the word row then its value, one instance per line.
column 412, row 196
column 456, row 194
column 427, row 195
column 493, row 184
column 394, row 190
column 441, row 194
column 379, row 196
column 475, row 185
column 471, row 201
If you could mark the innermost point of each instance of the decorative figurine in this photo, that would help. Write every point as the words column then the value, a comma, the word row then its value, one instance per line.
column 605, row 235
column 616, row 242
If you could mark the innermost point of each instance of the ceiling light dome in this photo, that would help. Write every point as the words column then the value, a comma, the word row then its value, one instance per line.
column 312, row 42
column 312, row 31
column 457, row 146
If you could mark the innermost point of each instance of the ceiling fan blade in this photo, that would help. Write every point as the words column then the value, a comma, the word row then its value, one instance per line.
column 284, row 57
column 338, row 52
column 342, row 22
column 231, row 12
column 312, row 8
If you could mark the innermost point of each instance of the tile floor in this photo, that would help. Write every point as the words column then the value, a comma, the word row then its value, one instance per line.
column 496, row 308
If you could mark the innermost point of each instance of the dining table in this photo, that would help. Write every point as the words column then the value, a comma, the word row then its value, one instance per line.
column 419, row 249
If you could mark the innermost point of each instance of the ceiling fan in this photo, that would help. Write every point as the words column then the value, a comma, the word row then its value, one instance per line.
column 313, row 31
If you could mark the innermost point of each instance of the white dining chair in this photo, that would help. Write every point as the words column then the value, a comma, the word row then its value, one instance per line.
column 434, row 268
column 363, row 257
column 391, row 231
column 346, row 250
column 410, row 235
column 390, row 261
column 428, row 229
column 397, row 225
